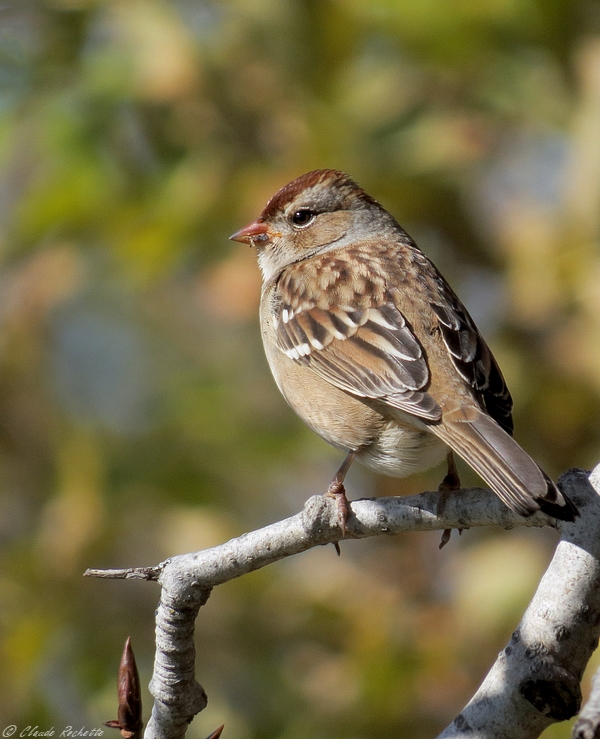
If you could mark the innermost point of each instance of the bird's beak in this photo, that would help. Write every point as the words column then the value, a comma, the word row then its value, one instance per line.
column 255, row 231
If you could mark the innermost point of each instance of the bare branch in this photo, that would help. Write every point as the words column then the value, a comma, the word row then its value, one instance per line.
column 588, row 723
column 319, row 524
column 535, row 680
column 539, row 672
column 130, row 573
column 177, row 695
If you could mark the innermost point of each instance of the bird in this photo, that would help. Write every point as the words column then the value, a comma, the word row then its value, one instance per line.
column 372, row 348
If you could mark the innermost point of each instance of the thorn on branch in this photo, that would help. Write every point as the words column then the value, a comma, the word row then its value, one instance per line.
column 129, row 714
column 216, row 733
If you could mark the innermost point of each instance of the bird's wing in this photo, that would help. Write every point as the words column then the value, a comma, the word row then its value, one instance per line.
column 471, row 355
column 366, row 351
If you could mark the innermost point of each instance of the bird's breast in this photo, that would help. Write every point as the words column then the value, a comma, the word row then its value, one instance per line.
column 340, row 419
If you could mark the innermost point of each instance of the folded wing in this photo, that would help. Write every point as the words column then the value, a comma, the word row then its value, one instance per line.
column 369, row 352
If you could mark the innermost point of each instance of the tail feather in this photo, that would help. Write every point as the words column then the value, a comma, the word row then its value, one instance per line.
column 566, row 512
column 511, row 473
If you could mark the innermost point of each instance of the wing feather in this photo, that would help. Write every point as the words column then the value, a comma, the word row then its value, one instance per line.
column 472, row 357
column 369, row 352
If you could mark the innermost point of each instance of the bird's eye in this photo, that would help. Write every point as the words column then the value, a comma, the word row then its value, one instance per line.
column 303, row 217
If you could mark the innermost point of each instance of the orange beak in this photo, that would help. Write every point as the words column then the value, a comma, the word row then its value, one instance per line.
column 255, row 231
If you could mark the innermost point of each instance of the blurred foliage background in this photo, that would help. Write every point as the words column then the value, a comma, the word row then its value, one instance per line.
column 138, row 418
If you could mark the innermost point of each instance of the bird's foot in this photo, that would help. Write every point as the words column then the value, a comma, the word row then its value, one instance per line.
column 450, row 484
column 447, row 533
column 337, row 491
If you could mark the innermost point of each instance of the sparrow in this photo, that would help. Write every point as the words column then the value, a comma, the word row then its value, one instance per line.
column 373, row 350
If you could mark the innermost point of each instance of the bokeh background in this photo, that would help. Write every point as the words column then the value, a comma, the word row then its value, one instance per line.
column 138, row 418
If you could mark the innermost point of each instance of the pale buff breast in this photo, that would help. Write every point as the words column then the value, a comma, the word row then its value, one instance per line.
column 337, row 417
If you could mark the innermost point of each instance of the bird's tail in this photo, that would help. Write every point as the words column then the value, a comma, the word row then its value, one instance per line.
column 511, row 473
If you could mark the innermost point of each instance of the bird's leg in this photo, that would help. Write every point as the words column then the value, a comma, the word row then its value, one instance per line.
column 336, row 490
column 448, row 485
